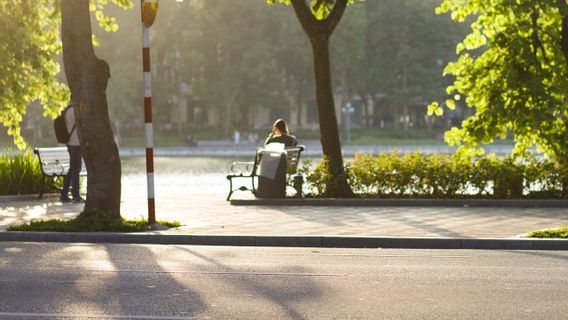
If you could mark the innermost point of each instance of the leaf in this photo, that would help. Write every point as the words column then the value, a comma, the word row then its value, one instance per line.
column 432, row 107
column 439, row 112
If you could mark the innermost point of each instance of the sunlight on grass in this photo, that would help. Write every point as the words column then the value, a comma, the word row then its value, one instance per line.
column 91, row 224
column 552, row 233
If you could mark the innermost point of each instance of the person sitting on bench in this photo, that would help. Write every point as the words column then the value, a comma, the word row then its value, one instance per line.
column 281, row 134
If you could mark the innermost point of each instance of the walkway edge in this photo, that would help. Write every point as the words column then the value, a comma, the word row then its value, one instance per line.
column 289, row 241
column 515, row 203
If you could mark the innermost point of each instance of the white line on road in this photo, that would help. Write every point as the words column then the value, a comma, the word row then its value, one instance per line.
column 367, row 255
column 88, row 316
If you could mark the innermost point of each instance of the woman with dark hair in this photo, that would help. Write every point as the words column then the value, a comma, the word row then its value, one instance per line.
column 281, row 134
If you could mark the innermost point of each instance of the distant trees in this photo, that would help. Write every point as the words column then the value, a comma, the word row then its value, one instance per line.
column 219, row 43
column 396, row 58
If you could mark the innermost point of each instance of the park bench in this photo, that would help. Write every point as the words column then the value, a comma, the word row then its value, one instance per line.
column 249, row 169
column 54, row 162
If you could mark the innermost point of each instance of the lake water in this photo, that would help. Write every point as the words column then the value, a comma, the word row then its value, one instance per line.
column 177, row 175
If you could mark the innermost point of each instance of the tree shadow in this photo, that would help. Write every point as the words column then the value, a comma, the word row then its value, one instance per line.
column 283, row 295
column 329, row 216
column 431, row 220
column 102, row 282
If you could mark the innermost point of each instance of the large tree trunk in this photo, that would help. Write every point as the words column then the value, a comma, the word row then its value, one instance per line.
column 319, row 32
column 87, row 77
column 329, row 131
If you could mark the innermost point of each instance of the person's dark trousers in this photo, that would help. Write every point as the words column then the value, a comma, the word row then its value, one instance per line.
column 72, row 176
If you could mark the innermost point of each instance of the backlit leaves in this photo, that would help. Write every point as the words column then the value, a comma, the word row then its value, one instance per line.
column 512, row 70
column 29, row 47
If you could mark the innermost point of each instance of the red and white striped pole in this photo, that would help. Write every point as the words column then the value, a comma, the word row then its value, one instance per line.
column 149, row 8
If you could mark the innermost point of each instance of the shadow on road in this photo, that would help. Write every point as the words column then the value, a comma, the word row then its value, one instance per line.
column 284, row 294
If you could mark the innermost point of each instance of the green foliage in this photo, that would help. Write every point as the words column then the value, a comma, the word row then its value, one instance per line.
column 98, row 223
column 554, row 233
column 20, row 173
column 513, row 69
column 29, row 42
column 30, row 46
column 318, row 179
column 418, row 175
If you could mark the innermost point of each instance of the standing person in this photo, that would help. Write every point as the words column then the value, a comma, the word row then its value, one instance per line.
column 280, row 133
column 237, row 137
column 75, row 163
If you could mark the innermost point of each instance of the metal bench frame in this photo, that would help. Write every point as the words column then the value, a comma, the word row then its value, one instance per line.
column 54, row 162
column 248, row 170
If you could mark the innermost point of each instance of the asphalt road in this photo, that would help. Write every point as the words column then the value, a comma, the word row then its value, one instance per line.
column 94, row 281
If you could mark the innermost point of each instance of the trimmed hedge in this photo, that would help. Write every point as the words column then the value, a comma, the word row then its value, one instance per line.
column 418, row 175
column 20, row 173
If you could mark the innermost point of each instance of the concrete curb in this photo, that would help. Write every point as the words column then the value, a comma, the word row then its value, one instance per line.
column 514, row 203
column 290, row 241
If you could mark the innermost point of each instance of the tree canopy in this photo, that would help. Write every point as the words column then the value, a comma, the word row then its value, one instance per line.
column 30, row 46
column 513, row 69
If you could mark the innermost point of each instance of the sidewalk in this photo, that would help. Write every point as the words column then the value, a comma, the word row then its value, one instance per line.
column 210, row 214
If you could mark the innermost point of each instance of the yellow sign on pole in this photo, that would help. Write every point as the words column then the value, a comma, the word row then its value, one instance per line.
column 149, row 11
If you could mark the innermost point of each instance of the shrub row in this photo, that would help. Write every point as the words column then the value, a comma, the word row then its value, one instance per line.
column 446, row 176
column 20, row 173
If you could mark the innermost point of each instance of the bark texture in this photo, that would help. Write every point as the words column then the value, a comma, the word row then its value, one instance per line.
column 319, row 33
column 87, row 77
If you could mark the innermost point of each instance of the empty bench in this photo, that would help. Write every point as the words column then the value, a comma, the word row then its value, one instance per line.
column 54, row 162
column 243, row 171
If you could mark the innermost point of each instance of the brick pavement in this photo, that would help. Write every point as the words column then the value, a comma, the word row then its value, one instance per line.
column 209, row 213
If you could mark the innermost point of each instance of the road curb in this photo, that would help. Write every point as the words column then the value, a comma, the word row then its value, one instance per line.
column 289, row 241
column 511, row 203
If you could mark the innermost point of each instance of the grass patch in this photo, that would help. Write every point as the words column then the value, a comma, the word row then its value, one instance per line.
column 553, row 233
column 91, row 224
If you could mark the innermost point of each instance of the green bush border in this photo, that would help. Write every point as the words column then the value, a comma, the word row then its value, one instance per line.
column 445, row 176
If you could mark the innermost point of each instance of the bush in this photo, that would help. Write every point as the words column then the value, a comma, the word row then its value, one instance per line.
column 446, row 176
column 20, row 173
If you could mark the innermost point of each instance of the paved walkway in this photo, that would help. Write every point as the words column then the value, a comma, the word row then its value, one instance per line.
column 209, row 213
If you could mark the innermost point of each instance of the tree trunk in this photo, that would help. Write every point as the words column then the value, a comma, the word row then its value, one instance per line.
column 87, row 77
column 329, row 131
column 319, row 32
